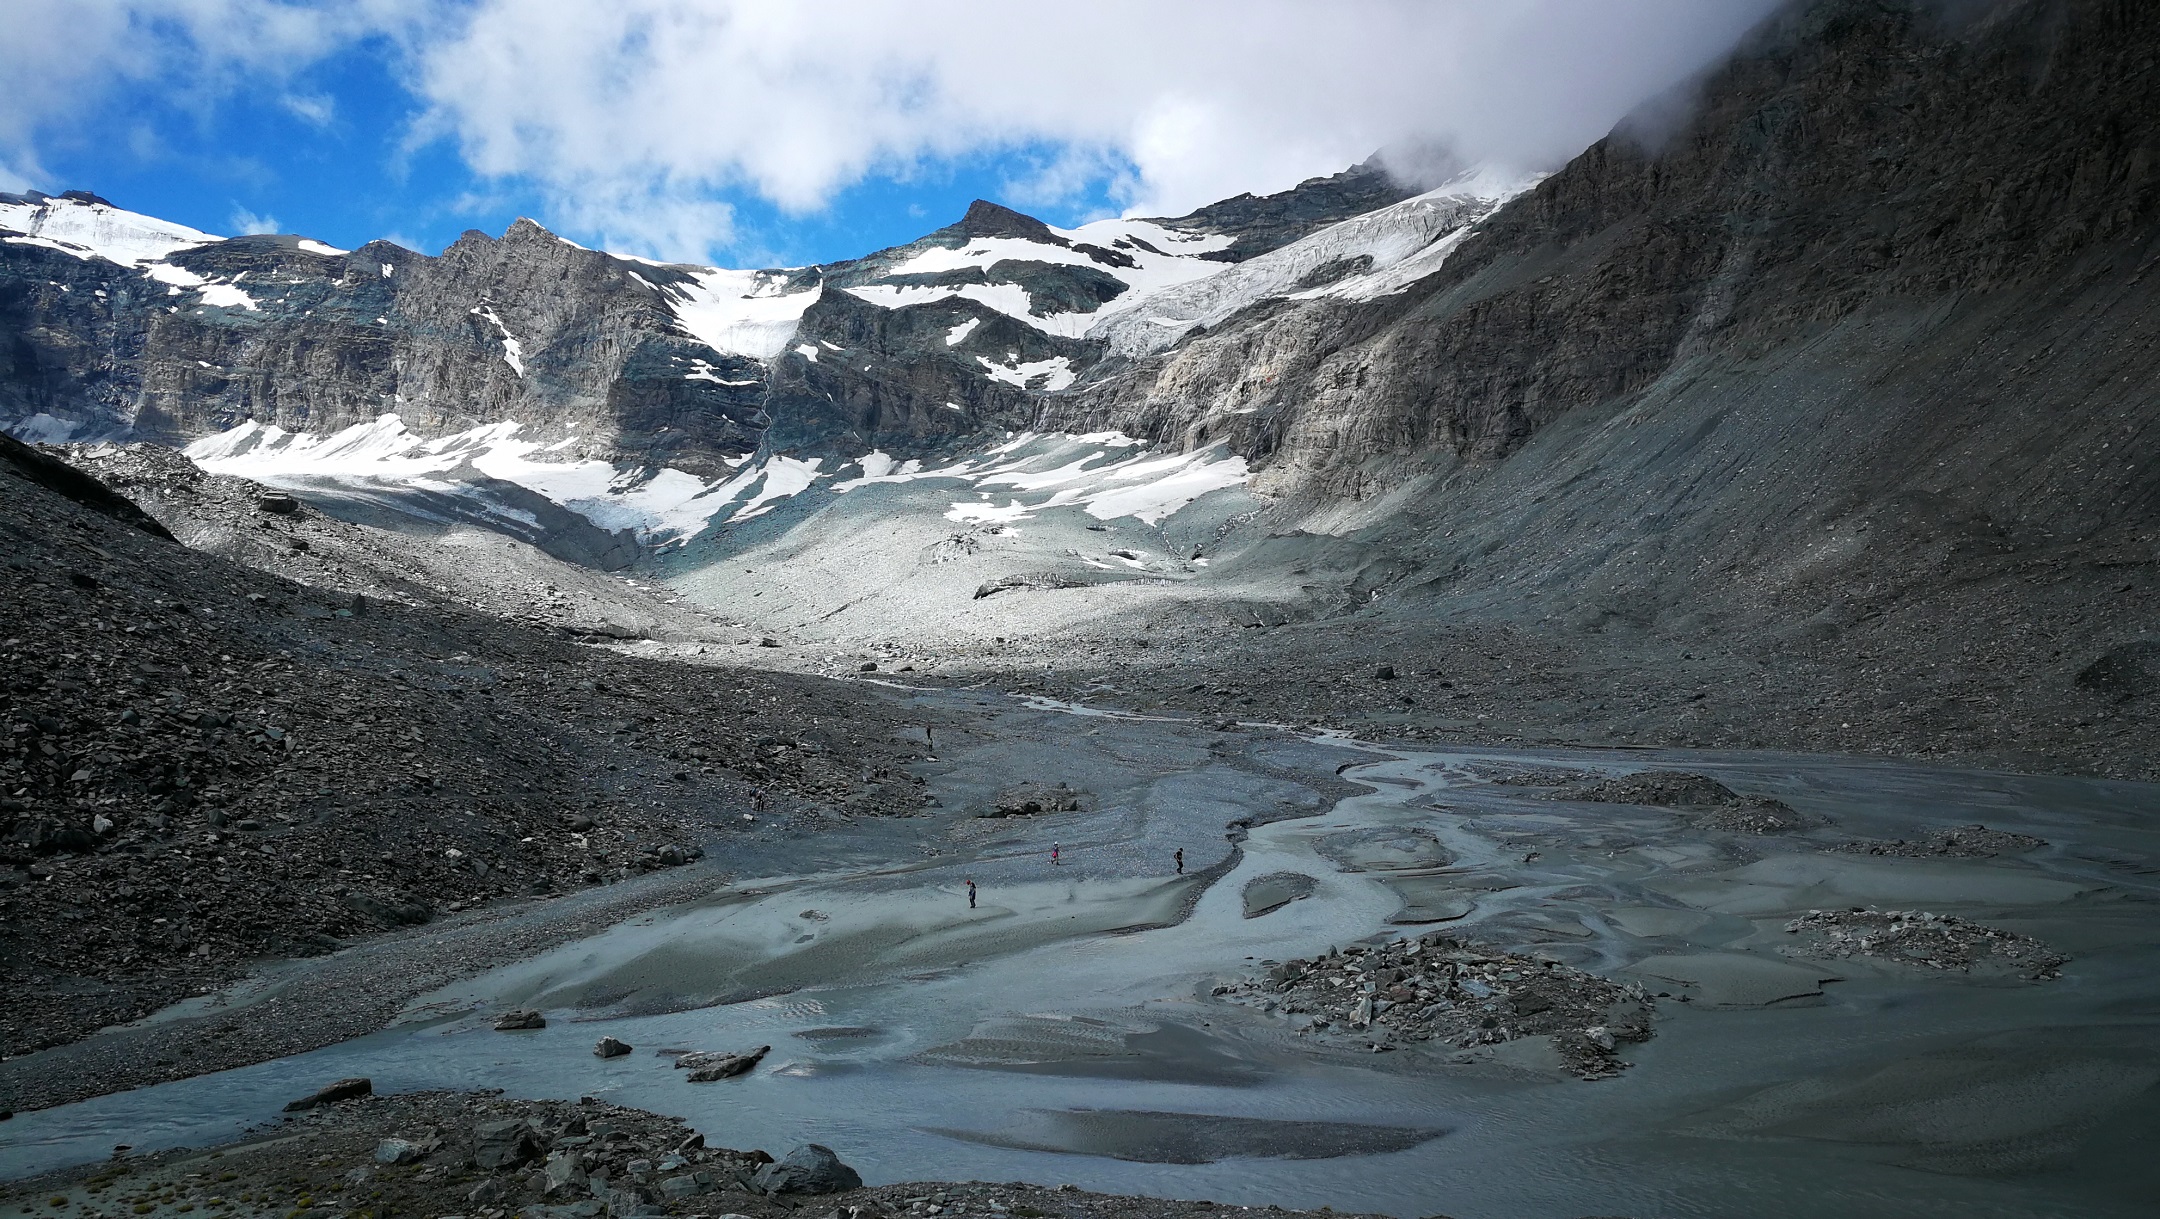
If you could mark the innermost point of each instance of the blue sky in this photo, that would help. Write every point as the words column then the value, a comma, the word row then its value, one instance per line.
column 353, row 174
column 756, row 133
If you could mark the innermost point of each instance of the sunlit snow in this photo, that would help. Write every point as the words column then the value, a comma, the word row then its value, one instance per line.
column 96, row 230
column 740, row 313
column 1398, row 245
column 660, row 505
column 1056, row 372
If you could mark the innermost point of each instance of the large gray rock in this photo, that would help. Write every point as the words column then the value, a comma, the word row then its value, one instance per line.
column 344, row 1089
column 562, row 1174
column 506, row 1144
column 707, row 1067
column 809, row 1169
column 403, row 1151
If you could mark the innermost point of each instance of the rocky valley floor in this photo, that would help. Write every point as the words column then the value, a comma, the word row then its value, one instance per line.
column 1348, row 908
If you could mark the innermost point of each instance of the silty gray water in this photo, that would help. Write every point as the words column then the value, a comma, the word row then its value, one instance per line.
column 1062, row 1032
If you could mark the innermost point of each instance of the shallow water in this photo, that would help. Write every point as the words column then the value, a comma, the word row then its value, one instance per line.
column 1061, row 1031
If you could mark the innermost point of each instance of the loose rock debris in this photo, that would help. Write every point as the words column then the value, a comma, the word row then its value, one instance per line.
column 1703, row 800
column 1440, row 989
column 1964, row 842
column 1916, row 937
column 490, row 1157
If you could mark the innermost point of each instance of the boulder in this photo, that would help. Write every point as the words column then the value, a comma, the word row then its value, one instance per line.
column 2124, row 673
column 344, row 1089
column 681, row 1186
column 50, row 835
column 506, row 1144
column 1027, row 799
column 512, row 1021
column 403, row 1151
column 392, row 911
column 277, row 503
column 705, row 1068
column 809, row 1169
column 562, row 1174
column 610, row 1048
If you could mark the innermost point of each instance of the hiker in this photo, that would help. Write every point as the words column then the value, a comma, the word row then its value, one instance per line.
column 971, row 895
column 1053, row 854
column 1181, row 861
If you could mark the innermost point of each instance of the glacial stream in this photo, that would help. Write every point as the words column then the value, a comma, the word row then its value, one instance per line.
column 1063, row 1030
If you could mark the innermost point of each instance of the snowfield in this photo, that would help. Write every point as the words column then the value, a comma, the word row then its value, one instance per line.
column 1101, row 474
column 1380, row 252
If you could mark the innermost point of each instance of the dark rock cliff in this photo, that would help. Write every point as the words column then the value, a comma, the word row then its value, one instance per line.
column 1853, row 154
column 338, row 339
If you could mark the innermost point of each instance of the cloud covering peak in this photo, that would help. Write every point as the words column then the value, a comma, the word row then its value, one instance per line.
column 648, row 123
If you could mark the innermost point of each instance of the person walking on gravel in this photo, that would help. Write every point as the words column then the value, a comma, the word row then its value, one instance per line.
column 971, row 895
column 1181, row 861
column 1053, row 854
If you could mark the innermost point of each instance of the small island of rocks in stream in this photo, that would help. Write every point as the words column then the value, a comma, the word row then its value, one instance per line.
column 1445, row 993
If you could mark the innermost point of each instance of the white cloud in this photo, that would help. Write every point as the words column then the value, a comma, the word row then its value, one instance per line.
column 636, row 119
column 314, row 108
column 59, row 60
column 245, row 221
column 1201, row 99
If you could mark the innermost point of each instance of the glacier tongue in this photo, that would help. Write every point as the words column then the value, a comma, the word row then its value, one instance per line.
column 88, row 229
column 660, row 505
column 1370, row 255
column 740, row 313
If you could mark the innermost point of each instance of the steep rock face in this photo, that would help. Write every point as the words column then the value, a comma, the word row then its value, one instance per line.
column 526, row 327
column 865, row 378
column 1260, row 223
column 1854, row 153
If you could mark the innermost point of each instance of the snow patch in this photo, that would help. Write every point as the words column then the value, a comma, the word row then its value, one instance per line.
column 959, row 333
column 740, row 313
column 226, row 296
column 1389, row 249
column 1055, row 373
column 313, row 246
column 1012, row 300
column 785, row 478
column 513, row 351
column 661, row 505
column 42, row 428
column 702, row 370
column 98, row 230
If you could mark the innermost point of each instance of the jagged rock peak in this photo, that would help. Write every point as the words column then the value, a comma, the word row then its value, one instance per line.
column 987, row 219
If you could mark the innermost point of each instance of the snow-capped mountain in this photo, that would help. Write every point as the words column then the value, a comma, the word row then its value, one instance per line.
column 513, row 379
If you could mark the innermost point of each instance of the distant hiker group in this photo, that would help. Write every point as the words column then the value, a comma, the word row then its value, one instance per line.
column 1057, row 857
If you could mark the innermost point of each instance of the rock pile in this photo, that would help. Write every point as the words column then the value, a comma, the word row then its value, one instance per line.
column 489, row 1157
column 1707, row 802
column 1440, row 989
column 1028, row 799
column 1965, row 842
column 1917, row 937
